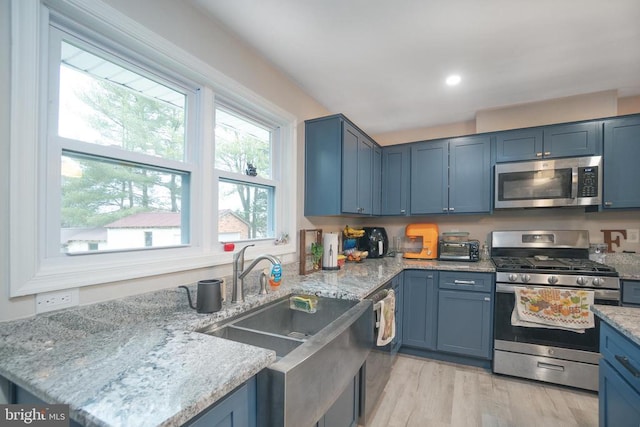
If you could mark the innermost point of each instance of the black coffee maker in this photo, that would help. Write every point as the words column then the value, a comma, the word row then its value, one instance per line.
column 374, row 241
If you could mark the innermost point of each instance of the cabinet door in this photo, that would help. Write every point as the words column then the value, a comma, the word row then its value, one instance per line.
column 238, row 409
column 521, row 144
column 419, row 323
column 465, row 323
column 631, row 292
column 351, row 140
column 621, row 171
column 429, row 177
column 398, row 284
column 357, row 172
column 395, row 179
column 470, row 174
column 578, row 139
column 376, row 187
column 344, row 412
column 619, row 403
column 323, row 166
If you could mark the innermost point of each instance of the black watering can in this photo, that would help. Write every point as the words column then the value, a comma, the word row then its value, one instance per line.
column 208, row 297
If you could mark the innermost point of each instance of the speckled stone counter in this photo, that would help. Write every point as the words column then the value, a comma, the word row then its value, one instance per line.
column 627, row 265
column 139, row 360
column 625, row 319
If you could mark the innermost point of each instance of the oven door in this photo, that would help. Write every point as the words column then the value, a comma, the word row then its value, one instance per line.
column 506, row 333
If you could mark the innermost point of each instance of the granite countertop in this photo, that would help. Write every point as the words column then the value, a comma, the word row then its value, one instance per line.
column 139, row 360
column 624, row 319
column 627, row 265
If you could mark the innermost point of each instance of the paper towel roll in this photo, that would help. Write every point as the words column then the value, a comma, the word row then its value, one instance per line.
column 331, row 250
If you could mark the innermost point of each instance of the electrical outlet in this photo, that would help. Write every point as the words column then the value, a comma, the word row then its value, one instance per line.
column 633, row 235
column 57, row 300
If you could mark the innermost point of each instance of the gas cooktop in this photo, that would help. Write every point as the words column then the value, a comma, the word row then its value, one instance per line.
column 556, row 265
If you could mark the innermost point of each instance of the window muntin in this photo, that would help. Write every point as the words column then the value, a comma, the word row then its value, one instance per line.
column 117, row 204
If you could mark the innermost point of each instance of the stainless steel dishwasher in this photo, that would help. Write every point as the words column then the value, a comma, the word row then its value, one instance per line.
column 376, row 371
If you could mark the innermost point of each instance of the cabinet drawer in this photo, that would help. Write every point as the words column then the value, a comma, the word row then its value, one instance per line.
column 630, row 292
column 479, row 282
column 621, row 353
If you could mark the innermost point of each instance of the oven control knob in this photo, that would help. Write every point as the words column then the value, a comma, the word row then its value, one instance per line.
column 581, row 281
column 597, row 281
column 552, row 280
column 513, row 277
column 526, row 278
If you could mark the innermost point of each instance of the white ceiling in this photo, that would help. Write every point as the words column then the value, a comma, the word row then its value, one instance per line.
column 383, row 63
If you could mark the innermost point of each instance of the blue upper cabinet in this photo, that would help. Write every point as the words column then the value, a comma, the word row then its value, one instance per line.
column 470, row 174
column 429, row 177
column 395, row 179
column 451, row 176
column 376, row 189
column 621, row 173
column 571, row 140
column 521, row 144
column 565, row 140
column 342, row 169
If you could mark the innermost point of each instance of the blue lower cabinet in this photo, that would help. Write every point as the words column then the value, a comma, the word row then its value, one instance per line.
column 465, row 323
column 21, row 396
column 619, row 402
column 238, row 409
column 420, row 309
column 619, row 382
column 344, row 412
column 398, row 284
column 631, row 293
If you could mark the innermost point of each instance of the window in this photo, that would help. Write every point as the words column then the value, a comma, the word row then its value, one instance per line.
column 120, row 140
column 246, row 188
column 140, row 167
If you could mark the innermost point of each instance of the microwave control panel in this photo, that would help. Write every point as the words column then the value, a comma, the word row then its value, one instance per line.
column 588, row 181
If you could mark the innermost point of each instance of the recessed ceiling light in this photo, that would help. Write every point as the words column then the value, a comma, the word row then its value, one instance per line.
column 453, row 80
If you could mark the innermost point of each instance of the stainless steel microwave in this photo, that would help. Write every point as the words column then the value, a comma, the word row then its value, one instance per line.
column 575, row 181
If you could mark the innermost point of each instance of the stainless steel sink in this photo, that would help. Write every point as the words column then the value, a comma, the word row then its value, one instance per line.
column 318, row 355
column 278, row 318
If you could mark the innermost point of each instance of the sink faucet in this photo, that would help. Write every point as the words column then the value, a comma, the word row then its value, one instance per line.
column 239, row 272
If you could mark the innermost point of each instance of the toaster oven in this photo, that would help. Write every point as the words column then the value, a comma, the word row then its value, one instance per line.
column 468, row 250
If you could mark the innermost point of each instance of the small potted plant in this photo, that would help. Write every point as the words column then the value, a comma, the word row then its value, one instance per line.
column 316, row 252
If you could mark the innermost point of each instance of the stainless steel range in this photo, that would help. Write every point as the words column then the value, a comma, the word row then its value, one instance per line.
column 543, row 262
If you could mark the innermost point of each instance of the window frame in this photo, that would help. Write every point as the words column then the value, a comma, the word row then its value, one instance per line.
column 31, row 270
column 258, row 181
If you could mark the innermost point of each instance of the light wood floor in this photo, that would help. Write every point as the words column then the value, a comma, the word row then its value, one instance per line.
column 428, row 393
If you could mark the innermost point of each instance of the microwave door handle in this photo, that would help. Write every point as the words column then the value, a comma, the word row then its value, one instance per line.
column 574, row 183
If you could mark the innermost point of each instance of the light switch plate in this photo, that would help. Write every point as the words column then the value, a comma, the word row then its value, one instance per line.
column 633, row 235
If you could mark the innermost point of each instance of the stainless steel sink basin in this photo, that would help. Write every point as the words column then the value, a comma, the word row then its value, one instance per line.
column 318, row 355
column 278, row 318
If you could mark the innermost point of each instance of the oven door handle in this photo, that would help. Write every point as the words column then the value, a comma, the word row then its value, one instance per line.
column 601, row 294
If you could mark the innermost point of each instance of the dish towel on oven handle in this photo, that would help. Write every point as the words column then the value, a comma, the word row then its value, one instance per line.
column 553, row 308
column 386, row 319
